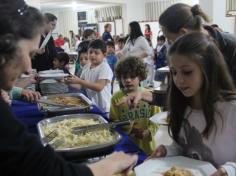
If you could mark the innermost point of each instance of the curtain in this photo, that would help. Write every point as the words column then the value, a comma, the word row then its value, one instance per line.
column 108, row 13
column 153, row 10
column 230, row 5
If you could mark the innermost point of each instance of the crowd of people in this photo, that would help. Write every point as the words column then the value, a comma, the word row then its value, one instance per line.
column 200, row 97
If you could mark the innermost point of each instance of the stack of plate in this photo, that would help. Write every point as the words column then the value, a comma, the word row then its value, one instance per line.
column 50, row 82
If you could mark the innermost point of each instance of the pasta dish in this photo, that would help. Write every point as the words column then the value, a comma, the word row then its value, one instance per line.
column 64, row 132
column 70, row 101
column 175, row 171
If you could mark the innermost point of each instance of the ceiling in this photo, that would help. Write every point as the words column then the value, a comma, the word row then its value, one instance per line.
column 71, row 4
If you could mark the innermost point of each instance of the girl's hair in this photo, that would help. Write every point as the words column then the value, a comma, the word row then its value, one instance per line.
column 83, row 48
column 18, row 21
column 217, row 82
column 181, row 15
column 148, row 27
column 63, row 57
column 135, row 31
column 131, row 66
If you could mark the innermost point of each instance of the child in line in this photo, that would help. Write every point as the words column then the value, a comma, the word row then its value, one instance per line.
column 130, row 72
column 96, row 76
column 202, row 104
column 111, row 59
column 82, row 57
column 61, row 62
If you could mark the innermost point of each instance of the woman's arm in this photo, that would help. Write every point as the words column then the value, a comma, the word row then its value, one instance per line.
column 115, row 163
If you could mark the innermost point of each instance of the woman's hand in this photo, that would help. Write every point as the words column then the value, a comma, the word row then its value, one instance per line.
column 159, row 152
column 5, row 97
column 220, row 172
column 30, row 95
column 118, row 162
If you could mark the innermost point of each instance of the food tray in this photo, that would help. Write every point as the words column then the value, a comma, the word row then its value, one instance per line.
column 85, row 151
column 53, row 109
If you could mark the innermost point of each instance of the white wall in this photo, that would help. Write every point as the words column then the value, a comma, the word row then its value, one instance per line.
column 133, row 10
column 219, row 17
column 190, row 2
column 34, row 3
column 217, row 10
column 66, row 21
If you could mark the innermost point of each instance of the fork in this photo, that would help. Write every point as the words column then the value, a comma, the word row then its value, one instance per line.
column 49, row 137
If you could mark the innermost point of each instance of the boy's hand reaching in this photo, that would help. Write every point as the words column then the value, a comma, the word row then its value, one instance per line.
column 72, row 80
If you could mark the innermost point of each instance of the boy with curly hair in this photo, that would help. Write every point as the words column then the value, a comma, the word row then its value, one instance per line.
column 130, row 72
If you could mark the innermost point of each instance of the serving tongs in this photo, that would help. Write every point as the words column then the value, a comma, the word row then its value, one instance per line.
column 48, row 102
column 89, row 128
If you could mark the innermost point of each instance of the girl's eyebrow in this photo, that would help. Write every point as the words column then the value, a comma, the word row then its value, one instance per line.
column 182, row 66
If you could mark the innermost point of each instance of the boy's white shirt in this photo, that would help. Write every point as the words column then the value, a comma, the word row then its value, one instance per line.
column 223, row 143
column 103, row 71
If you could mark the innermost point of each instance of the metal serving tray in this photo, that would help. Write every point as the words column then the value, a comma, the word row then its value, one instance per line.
column 85, row 151
column 51, row 108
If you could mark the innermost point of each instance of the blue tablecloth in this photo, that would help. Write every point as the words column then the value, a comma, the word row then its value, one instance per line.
column 29, row 114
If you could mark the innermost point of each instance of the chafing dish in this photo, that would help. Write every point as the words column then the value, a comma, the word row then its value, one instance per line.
column 82, row 151
column 46, row 107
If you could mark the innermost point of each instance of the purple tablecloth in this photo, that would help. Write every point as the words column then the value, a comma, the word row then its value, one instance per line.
column 29, row 114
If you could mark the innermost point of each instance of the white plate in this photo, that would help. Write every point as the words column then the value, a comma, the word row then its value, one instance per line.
column 165, row 69
column 53, row 76
column 156, row 167
column 160, row 118
column 51, row 72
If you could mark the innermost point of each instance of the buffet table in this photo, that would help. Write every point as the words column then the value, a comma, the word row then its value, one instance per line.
column 29, row 114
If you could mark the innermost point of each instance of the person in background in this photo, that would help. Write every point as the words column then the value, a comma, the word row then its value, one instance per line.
column 78, row 41
column 116, row 38
column 59, row 41
column 72, row 38
column 82, row 57
column 149, row 42
column 148, row 32
column 201, row 104
column 111, row 60
column 120, row 44
column 61, row 62
column 130, row 72
column 160, row 52
column 89, row 34
column 66, row 46
column 180, row 19
column 22, row 153
column 160, row 57
column 96, row 32
column 96, row 77
column 136, row 45
column 106, row 36
column 44, row 56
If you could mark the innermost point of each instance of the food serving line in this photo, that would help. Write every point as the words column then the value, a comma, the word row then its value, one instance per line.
column 30, row 115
